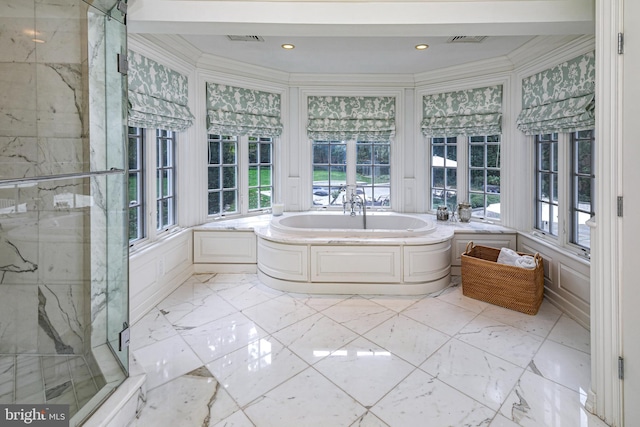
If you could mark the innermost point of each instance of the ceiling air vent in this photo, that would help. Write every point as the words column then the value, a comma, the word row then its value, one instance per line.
column 466, row 39
column 245, row 38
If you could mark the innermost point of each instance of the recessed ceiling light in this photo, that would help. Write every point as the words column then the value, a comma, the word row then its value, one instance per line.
column 37, row 40
column 422, row 46
column 288, row 46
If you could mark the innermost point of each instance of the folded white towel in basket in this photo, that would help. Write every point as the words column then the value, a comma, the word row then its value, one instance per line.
column 510, row 257
column 526, row 261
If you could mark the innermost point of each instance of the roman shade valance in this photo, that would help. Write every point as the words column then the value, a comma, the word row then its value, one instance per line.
column 560, row 99
column 238, row 111
column 463, row 113
column 158, row 96
column 341, row 118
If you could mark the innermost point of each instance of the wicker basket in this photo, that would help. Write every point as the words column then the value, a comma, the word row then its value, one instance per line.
column 516, row 288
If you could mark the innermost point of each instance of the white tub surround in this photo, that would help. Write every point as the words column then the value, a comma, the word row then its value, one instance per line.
column 321, row 253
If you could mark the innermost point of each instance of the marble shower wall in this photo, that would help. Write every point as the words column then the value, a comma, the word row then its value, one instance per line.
column 44, row 131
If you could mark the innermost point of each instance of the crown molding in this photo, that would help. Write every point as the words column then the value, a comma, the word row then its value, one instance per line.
column 219, row 64
column 540, row 59
column 468, row 70
column 173, row 44
column 352, row 80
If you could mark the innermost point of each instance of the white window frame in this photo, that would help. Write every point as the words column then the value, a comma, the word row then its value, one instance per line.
column 462, row 174
column 565, row 194
column 170, row 168
column 151, row 232
column 242, row 179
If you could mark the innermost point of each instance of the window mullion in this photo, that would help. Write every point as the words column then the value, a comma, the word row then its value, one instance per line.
column 463, row 168
column 351, row 162
column 243, row 174
column 564, row 187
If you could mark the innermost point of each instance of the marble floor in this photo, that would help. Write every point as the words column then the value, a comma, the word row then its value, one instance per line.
column 226, row 350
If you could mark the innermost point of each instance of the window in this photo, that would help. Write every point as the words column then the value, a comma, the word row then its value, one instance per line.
column 260, row 155
column 136, row 184
column 329, row 172
column 444, row 173
column 582, row 186
column 152, row 183
column 165, row 178
column 364, row 164
column 466, row 168
column 222, row 174
column 484, row 176
column 373, row 171
column 240, row 174
column 547, row 183
column 565, row 186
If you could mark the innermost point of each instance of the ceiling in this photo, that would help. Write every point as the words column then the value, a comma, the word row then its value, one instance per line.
column 355, row 55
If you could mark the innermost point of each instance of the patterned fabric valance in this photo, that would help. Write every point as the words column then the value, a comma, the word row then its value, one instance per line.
column 560, row 99
column 340, row 118
column 463, row 113
column 238, row 111
column 158, row 96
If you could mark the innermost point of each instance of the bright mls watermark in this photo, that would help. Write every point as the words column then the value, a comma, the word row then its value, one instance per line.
column 34, row 415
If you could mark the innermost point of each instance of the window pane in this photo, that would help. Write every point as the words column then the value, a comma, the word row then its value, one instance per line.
column 133, row 153
column 493, row 156
column 545, row 157
column 452, row 178
column 265, row 153
column 382, row 174
column 214, row 203
column 476, row 181
column 214, row 153
column 265, row 175
column 437, row 177
column 339, row 154
column 438, row 155
column 381, row 156
column 253, row 152
column 133, row 188
column 338, row 174
column 214, row 178
column 493, row 181
column 363, row 153
column 253, row 176
column 228, row 177
column 583, row 161
column 476, row 156
column 452, row 156
column 229, row 201
column 166, row 183
column 253, row 198
column 229, row 153
column 133, row 224
column 545, row 187
column 584, row 194
column 321, row 153
column 554, row 155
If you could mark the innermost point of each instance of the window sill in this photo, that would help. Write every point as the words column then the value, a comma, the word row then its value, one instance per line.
column 574, row 253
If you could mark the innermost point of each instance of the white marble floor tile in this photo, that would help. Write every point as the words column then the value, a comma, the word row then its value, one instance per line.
column 485, row 378
column 194, row 399
column 364, row 370
column 369, row 420
column 536, row 401
column 396, row 303
column 504, row 341
column 501, row 421
column 455, row 297
column 224, row 281
column 189, row 291
column 407, row 338
column 29, row 381
column 569, row 332
column 191, row 314
column 421, row 400
column 358, row 314
column 223, row 336
column 278, row 313
column 246, row 295
column 309, row 400
column 237, row 419
column 7, row 375
column 564, row 365
column 315, row 337
column 441, row 315
column 540, row 324
column 166, row 360
column 150, row 329
column 255, row 369
column 319, row 302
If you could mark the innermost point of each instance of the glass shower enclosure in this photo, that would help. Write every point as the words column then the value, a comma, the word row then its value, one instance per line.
column 63, row 227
